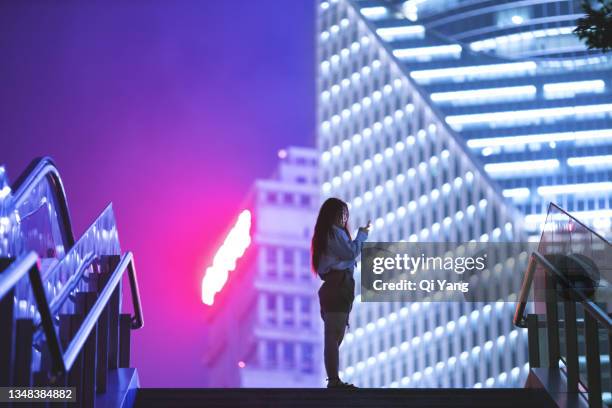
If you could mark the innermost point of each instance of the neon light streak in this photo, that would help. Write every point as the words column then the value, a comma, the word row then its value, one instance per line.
column 516, row 193
column 570, row 89
column 374, row 12
column 509, row 169
column 591, row 161
column 236, row 242
column 427, row 53
column 459, row 74
column 478, row 96
column 513, row 117
column 403, row 32
column 584, row 188
column 591, row 135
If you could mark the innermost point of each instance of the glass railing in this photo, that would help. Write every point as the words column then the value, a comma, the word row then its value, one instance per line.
column 570, row 328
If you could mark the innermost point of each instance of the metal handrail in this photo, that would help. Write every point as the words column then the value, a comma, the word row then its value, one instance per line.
column 79, row 339
column 61, row 361
column 591, row 307
column 38, row 170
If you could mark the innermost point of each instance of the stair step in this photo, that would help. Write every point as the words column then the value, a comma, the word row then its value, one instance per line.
column 323, row 398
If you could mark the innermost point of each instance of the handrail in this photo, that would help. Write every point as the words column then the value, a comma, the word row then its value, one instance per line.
column 592, row 308
column 37, row 170
column 29, row 263
column 79, row 339
column 61, row 362
column 58, row 301
column 16, row 270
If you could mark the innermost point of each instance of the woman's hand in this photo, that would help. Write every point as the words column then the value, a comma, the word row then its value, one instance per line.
column 367, row 228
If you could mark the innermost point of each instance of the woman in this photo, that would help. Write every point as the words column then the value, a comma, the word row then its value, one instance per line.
column 333, row 259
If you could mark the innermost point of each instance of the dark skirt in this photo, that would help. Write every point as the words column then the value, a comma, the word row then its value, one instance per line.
column 337, row 291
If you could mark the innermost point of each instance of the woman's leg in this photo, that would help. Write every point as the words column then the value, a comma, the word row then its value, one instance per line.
column 334, row 327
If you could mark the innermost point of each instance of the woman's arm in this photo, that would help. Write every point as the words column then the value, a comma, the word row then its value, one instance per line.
column 345, row 249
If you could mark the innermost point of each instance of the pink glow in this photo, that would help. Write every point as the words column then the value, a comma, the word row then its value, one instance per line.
column 236, row 242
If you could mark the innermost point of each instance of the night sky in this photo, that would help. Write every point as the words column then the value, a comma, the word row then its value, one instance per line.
column 169, row 109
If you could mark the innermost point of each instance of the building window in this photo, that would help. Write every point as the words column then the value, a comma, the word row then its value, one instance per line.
column 271, row 302
column 271, row 357
column 271, row 198
column 305, row 305
column 287, row 303
column 307, row 358
column 288, row 354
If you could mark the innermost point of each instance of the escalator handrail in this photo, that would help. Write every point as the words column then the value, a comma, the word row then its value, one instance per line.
column 519, row 316
column 38, row 170
column 61, row 362
column 78, row 341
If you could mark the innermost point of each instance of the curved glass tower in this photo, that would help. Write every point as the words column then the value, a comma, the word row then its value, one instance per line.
column 450, row 120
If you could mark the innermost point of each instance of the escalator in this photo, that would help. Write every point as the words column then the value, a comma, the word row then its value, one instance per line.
column 61, row 298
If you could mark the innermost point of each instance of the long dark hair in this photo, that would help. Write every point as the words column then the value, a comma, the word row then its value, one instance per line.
column 330, row 213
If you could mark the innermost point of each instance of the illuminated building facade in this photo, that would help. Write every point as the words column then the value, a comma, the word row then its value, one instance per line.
column 271, row 311
column 445, row 120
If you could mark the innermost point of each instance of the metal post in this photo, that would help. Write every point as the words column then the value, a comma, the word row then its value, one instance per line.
column 571, row 345
column 102, row 354
column 24, row 329
column 591, row 340
column 114, row 306
column 533, row 337
column 552, row 323
column 85, row 301
column 124, row 342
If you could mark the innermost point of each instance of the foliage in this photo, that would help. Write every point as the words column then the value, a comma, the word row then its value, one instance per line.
column 595, row 28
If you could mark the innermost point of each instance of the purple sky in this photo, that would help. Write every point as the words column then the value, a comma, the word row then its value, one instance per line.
column 169, row 109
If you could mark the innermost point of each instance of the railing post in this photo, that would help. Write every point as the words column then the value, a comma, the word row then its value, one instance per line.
column 85, row 301
column 552, row 323
column 24, row 329
column 102, row 354
column 125, row 324
column 114, row 308
column 571, row 345
column 69, row 324
column 533, row 338
column 7, row 338
column 592, row 359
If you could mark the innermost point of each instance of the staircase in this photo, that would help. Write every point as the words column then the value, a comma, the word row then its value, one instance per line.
column 61, row 314
column 323, row 398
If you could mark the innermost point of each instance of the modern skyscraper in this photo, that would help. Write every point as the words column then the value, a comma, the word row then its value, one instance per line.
column 446, row 120
column 268, row 329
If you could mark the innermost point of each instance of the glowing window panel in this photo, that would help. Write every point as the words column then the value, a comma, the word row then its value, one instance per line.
column 374, row 12
column 478, row 96
column 403, row 32
column 235, row 244
column 492, row 43
column 510, row 169
column 597, row 217
column 584, row 188
column 591, row 161
column 509, row 118
column 461, row 74
column 570, row 89
column 590, row 136
column 516, row 193
column 428, row 53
